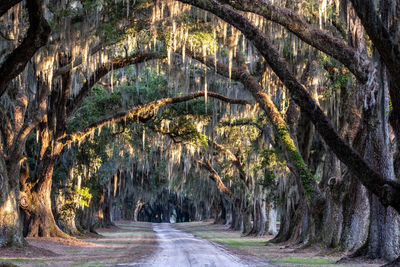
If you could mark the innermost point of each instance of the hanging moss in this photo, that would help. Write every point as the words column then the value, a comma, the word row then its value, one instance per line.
column 306, row 177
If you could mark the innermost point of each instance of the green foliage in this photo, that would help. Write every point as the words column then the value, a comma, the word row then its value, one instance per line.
column 186, row 130
column 77, row 197
column 109, row 31
column 60, row 173
column 83, row 196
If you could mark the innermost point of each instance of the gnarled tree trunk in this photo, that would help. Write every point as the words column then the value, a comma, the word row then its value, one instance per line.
column 10, row 218
column 39, row 215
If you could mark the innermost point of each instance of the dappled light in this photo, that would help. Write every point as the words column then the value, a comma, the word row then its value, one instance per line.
column 199, row 132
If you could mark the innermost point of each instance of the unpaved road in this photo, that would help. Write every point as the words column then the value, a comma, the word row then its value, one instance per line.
column 181, row 249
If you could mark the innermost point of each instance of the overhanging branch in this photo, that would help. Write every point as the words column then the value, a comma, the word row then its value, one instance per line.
column 36, row 37
column 215, row 176
column 137, row 111
column 317, row 38
column 6, row 5
column 117, row 63
column 386, row 190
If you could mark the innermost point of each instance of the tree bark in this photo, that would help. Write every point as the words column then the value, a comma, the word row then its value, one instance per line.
column 138, row 207
column 6, row 5
column 315, row 37
column 106, row 207
column 271, row 218
column 36, row 37
column 10, row 217
column 38, row 213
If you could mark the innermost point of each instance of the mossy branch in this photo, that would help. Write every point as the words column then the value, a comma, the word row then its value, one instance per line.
column 144, row 109
column 215, row 176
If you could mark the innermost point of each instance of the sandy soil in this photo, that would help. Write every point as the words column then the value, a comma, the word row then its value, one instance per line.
column 181, row 249
column 258, row 247
column 126, row 243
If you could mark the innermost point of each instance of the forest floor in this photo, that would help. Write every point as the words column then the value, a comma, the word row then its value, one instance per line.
column 144, row 244
column 128, row 242
column 255, row 247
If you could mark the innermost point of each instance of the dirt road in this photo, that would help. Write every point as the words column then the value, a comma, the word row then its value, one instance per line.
column 181, row 249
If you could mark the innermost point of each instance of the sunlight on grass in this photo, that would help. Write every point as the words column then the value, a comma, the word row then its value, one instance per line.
column 21, row 261
column 91, row 264
column 231, row 240
column 239, row 242
column 305, row 260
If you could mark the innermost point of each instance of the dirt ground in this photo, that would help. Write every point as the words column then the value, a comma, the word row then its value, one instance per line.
column 250, row 247
column 179, row 248
column 136, row 242
column 128, row 242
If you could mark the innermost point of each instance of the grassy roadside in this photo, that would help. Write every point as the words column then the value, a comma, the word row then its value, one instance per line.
column 279, row 255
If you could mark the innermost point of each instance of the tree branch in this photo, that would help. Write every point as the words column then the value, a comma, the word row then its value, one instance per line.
column 388, row 49
column 6, row 5
column 317, row 38
column 117, row 63
column 136, row 111
column 78, row 61
column 235, row 161
column 280, row 127
column 215, row 176
column 36, row 37
column 380, row 36
column 386, row 190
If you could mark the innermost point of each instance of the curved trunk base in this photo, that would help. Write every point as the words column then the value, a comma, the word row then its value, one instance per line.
column 42, row 224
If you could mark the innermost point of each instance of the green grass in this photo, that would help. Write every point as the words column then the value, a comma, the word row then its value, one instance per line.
column 91, row 264
column 305, row 260
column 104, row 251
column 73, row 250
column 21, row 261
column 239, row 242
column 231, row 240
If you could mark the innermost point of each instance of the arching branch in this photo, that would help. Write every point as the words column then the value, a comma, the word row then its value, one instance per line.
column 317, row 38
column 117, row 63
column 6, row 5
column 380, row 36
column 214, row 176
column 234, row 160
column 136, row 111
column 388, row 49
column 293, row 156
column 35, row 38
column 386, row 190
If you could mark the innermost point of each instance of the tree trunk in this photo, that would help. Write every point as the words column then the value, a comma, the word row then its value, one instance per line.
column 39, row 215
column 236, row 222
column 247, row 226
column 355, row 216
column 263, row 218
column 297, row 221
column 271, row 218
column 10, row 218
column 138, row 207
column 256, row 218
column 384, row 234
column 106, row 207
column 333, row 185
